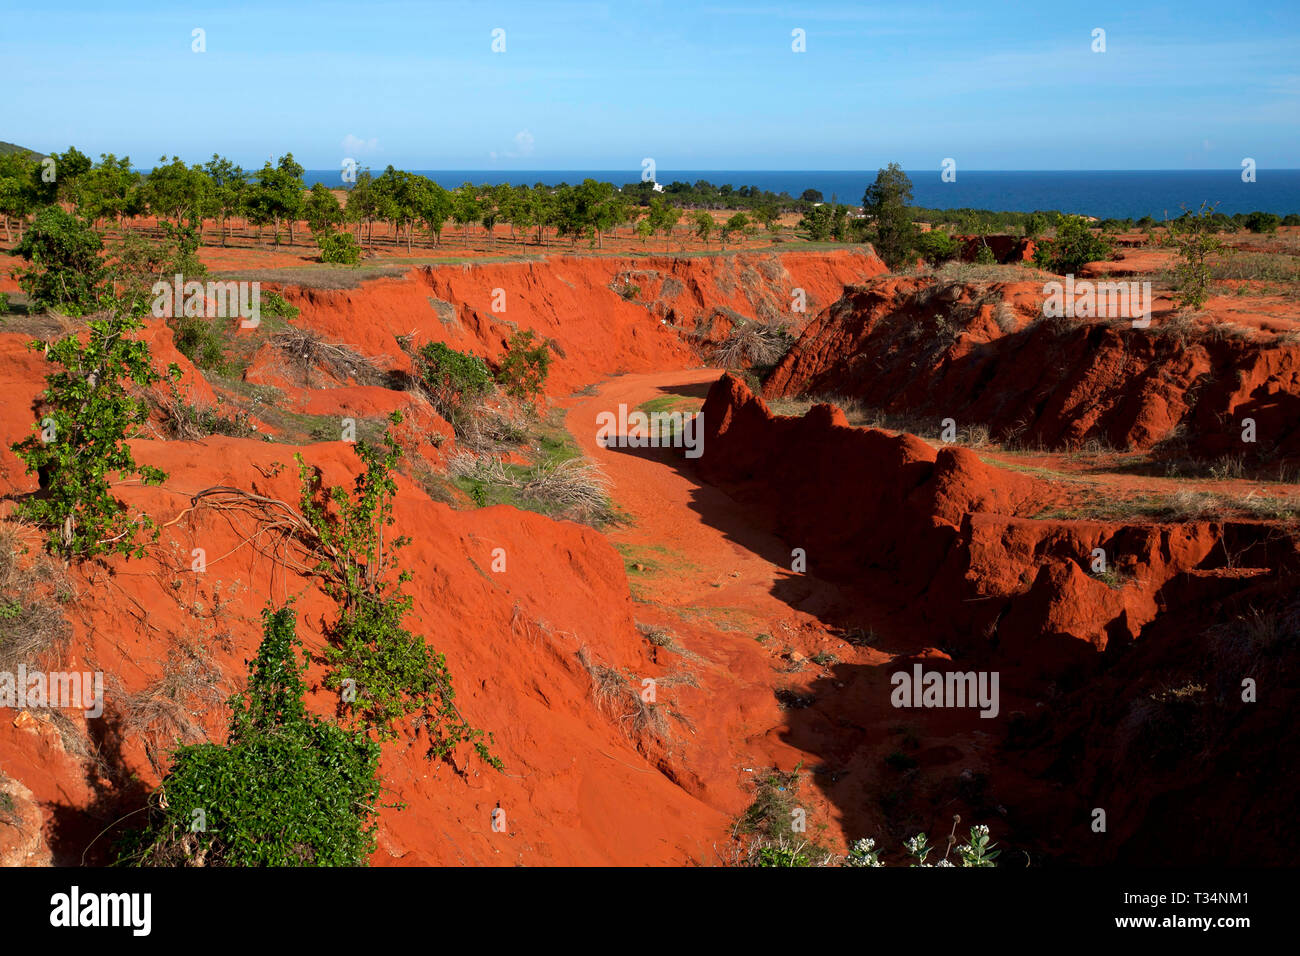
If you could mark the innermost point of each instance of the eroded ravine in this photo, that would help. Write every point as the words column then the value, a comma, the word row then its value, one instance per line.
column 720, row 580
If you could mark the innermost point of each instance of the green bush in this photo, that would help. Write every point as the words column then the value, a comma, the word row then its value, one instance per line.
column 523, row 369
column 286, row 789
column 4, row 303
column 1073, row 246
column 68, row 269
column 88, row 415
column 277, row 306
column 456, row 382
column 339, row 247
column 200, row 341
column 1035, row 225
column 936, row 246
column 1263, row 222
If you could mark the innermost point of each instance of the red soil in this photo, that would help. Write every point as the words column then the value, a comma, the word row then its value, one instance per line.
column 1053, row 384
column 915, row 554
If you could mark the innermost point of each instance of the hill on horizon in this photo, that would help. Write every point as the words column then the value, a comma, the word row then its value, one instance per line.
column 6, row 148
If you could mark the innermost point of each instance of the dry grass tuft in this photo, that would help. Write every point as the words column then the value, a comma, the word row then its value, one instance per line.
column 165, row 712
column 753, row 343
column 306, row 351
column 32, row 624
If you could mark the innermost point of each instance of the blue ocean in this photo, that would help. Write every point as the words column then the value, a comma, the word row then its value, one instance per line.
column 1101, row 193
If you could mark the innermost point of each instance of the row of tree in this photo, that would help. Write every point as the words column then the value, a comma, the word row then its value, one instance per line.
column 220, row 191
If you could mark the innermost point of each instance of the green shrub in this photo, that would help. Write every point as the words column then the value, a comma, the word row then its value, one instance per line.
column 985, row 256
column 1263, row 222
column 384, row 671
column 1193, row 237
column 1073, row 246
column 286, row 789
column 1035, row 225
column 68, row 269
column 4, row 303
column 524, row 367
column 200, row 341
column 276, row 305
column 781, row 855
column 936, row 246
column 339, row 247
column 455, row 381
column 88, row 417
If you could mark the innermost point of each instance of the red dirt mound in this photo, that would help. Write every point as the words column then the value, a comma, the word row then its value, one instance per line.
column 982, row 356
column 960, row 536
column 600, row 315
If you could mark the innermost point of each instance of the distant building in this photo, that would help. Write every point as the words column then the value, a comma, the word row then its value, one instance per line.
column 658, row 187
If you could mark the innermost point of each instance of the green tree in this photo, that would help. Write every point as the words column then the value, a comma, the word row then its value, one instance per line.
column 291, row 171
column 229, row 186
column 277, row 195
column 17, row 193
column 736, row 224
column 465, row 207
column 433, row 206
column 322, row 210
column 70, row 167
column 523, row 369
column 173, row 191
column 67, row 266
column 88, row 417
column 663, row 218
column 817, row 221
column 886, row 204
column 1074, row 245
column 702, row 226
column 108, row 191
column 362, row 206
column 1193, row 237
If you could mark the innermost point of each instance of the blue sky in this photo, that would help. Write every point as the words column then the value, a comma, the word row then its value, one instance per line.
column 694, row 85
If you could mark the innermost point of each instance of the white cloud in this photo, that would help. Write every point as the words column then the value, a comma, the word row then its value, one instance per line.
column 353, row 145
column 523, row 146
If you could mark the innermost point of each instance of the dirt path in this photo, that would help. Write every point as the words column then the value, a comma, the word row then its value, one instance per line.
column 750, row 630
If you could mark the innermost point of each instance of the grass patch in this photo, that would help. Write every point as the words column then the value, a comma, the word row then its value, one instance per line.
column 1184, row 505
